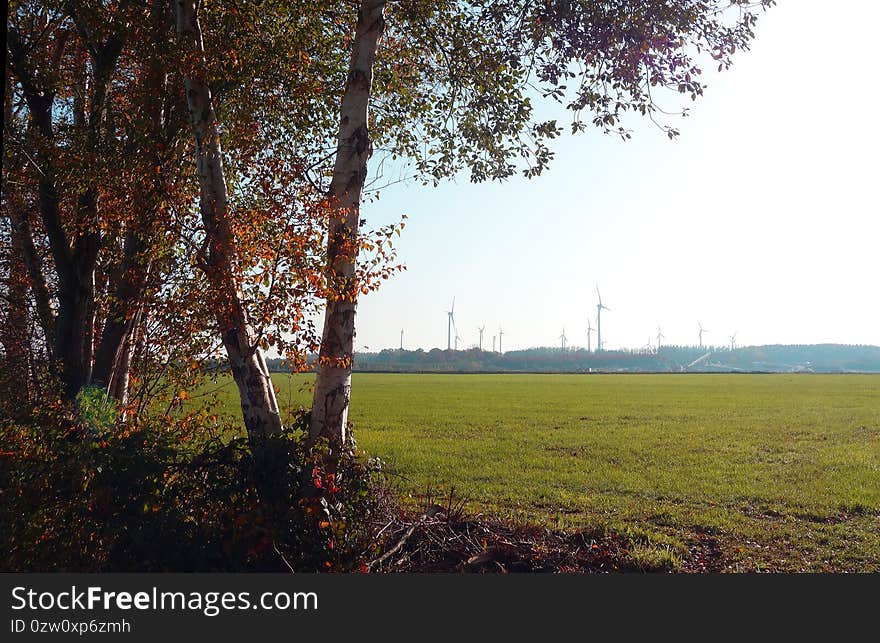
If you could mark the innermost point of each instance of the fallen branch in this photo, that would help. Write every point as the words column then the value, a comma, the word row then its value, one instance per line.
column 430, row 513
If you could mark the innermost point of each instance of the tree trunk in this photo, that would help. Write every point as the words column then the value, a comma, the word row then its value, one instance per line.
column 258, row 404
column 74, row 328
column 24, row 239
column 128, row 281
column 127, row 284
column 15, row 335
column 74, row 262
column 117, row 386
column 75, row 267
column 74, row 331
column 353, row 148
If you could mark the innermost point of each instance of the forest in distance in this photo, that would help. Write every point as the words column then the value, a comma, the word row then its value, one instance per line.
column 776, row 358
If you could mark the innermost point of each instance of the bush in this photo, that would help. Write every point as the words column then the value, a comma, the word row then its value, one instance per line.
column 116, row 496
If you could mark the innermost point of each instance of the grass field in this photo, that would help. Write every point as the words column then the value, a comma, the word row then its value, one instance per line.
column 771, row 472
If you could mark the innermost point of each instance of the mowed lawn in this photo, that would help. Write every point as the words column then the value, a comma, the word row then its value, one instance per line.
column 778, row 472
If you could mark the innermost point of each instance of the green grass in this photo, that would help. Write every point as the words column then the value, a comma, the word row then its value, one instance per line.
column 782, row 472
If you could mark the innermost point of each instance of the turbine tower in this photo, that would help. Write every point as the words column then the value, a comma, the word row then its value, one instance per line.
column 450, row 315
column 481, row 329
column 500, row 335
column 589, row 335
column 493, row 342
column 401, row 339
column 702, row 330
column 660, row 336
column 599, row 308
column 733, row 341
column 563, row 338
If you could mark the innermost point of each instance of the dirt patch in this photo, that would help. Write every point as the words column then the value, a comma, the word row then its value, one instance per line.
column 763, row 513
column 705, row 555
column 820, row 519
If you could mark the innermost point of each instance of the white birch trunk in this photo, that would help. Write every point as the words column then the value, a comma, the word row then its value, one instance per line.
column 333, row 386
column 258, row 403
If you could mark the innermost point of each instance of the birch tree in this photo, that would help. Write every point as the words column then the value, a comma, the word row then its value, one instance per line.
column 259, row 405
column 353, row 149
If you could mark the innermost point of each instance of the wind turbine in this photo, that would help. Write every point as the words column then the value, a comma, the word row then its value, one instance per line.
column 563, row 338
column 493, row 342
column 660, row 336
column 500, row 335
column 599, row 308
column 481, row 329
column 733, row 341
column 702, row 330
column 401, row 339
column 589, row 335
column 450, row 315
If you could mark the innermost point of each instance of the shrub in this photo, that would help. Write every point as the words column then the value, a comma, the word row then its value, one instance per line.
column 119, row 496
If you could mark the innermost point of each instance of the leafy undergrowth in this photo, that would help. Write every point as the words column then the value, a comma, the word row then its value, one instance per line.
column 115, row 496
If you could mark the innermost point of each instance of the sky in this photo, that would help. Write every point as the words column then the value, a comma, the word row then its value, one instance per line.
column 761, row 219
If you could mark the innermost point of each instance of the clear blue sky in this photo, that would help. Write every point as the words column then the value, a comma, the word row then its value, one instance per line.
column 761, row 219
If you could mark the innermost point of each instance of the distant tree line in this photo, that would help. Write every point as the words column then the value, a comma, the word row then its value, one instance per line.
column 825, row 358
